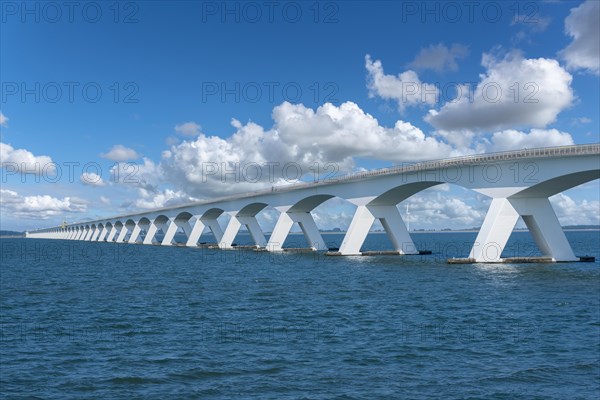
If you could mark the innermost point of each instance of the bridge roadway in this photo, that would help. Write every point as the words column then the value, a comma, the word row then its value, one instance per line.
column 519, row 184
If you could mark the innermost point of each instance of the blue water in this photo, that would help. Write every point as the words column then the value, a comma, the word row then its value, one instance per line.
column 101, row 320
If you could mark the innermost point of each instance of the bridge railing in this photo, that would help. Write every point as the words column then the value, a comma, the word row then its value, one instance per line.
column 462, row 160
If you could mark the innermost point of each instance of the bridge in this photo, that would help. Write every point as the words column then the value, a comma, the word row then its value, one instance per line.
column 519, row 184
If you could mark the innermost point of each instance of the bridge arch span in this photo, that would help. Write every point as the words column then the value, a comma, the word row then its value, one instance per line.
column 553, row 186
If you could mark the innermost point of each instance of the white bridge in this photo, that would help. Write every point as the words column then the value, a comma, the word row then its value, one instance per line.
column 518, row 182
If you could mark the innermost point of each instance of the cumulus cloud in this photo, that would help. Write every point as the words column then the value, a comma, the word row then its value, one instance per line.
column 434, row 209
column 300, row 138
column 24, row 161
column 38, row 207
column 120, row 153
column 3, row 120
column 583, row 25
column 92, row 179
column 156, row 199
column 511, row 139
column 439, row 57
column 513, row 92
column 571, row 212
column 146, row 175
column 406, row 88
column 188, row 129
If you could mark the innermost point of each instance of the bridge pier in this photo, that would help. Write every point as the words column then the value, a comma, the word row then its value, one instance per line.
column 392, row 222
column 87, row 236
column 122, row 234
column 135, row 233
column 111, row 234
column 284, row 224
column 195, row 233
column 103, row 234
column 171, row 231
column 152, row 229
column 541, row 220
column 95, row 235
column 233, row 227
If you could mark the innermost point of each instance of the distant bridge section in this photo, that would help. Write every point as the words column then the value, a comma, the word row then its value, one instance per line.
column 519, row 184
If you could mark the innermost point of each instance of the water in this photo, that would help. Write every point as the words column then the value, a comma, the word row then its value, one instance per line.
column 100, row 320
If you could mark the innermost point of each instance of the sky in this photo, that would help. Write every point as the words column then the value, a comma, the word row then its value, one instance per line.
column 108, row 108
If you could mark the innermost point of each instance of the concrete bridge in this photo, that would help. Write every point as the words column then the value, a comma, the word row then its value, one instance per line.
column 518, row 182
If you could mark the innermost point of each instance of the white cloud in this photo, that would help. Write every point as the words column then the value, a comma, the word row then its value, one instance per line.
column 24, row 161
column 571, row 212
column 120, row 153
column 536, row 22
column 511, row 139
column 581, row 120
column 92, row 179
column 3, row 120
column 104, row 200
column 151, row 199
column 328, row 136
column 146, row 175
column 583, row 25
column 406, row 88
column 434, row 210
column 439, row 57
column 188, row 129
column 514, row 92
column 38, row 207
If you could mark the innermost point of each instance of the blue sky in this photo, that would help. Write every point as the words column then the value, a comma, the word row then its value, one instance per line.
column 162, row 68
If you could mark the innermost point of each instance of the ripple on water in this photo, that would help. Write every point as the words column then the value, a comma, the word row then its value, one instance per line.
column 299, row 326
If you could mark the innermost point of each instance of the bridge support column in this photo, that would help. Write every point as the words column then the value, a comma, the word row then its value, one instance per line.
column 111, row 234
column 88, row 234
column 152, row 229
column 495, row 231
column 122, row 234
column 233, row 227
column 194, row 235
column 215, row 228
column 284, row 224
column 543, row 224
column 103, row 234
column 230, row 232
column 95, row 235
column 135, row 233
column 170, row 233
column 255, row 230
column 310, row 230
column 281, row 230
column 357, row 232
column 392, row 222
column 541, row 220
